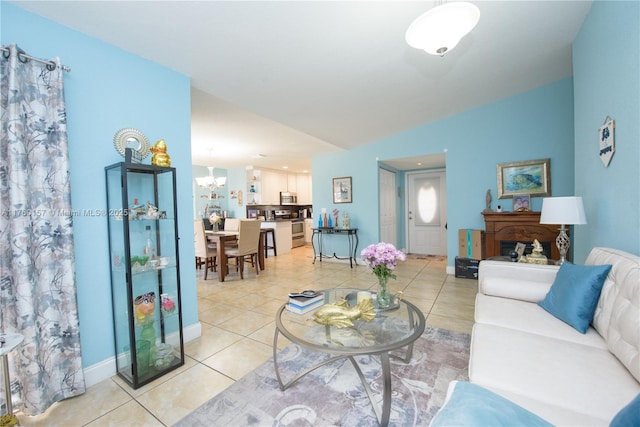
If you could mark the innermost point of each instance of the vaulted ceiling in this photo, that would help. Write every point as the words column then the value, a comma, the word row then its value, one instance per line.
column 274, row 82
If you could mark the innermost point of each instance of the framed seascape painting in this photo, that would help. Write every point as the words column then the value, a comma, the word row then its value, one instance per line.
column 342, row 191
column 530, row 178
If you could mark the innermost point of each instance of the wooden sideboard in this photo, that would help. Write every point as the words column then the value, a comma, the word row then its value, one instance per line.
column 518, row 227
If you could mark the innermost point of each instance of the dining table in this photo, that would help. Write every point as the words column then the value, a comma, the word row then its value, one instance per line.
column 222, row 238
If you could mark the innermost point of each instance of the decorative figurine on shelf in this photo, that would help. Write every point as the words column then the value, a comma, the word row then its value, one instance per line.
column 345, row 221
column 536, row 256
column 488, row 200
column 160, row 156
column 136, row 210
column 144, row 306
column 152, row 211
column 336, row 212
column 166, row 304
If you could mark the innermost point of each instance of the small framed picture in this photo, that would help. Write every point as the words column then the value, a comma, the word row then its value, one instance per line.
column 522, row 203
column 342, row 190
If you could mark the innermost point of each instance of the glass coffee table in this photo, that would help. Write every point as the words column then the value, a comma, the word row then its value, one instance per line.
column 392, row 329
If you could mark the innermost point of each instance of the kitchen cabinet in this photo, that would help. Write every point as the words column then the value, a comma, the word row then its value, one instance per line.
column 292, row 183
column 145, row 274
column 269, row 183
column 273, row 183
column 304, row 189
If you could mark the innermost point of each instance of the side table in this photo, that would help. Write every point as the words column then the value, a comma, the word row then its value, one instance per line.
column 352, row 240
column 8, row 342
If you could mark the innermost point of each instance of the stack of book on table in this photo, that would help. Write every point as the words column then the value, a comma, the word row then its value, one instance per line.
column 301, row 304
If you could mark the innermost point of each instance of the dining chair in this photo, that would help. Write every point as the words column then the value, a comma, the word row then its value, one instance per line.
column 248, row 244
column 231, row 224
column 206, row 253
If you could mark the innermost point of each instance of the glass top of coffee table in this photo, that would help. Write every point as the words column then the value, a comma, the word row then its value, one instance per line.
column 389, row 330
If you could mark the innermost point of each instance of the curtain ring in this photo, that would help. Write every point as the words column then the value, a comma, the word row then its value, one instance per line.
column 51, row 66
column 21, row 55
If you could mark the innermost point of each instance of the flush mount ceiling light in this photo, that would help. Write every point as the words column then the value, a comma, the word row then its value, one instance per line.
column 439, row 30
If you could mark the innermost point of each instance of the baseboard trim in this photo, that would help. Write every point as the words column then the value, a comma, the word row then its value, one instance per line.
column 106, row 368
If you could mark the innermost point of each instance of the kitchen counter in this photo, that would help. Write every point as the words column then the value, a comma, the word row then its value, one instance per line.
column 282, row 233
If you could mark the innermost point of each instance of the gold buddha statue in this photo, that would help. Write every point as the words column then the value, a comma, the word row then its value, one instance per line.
column 160, row 156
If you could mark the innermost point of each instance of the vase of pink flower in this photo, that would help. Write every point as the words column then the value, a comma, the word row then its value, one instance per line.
column 382, row 258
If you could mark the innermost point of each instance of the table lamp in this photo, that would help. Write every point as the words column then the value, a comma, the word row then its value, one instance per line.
column 564, row 211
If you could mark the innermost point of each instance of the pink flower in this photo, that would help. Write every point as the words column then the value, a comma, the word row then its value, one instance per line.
column 382, row 258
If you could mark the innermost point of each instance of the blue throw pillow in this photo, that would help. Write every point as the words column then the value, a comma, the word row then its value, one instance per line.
column 472, row 405
column 574, row 295
column 629, row 416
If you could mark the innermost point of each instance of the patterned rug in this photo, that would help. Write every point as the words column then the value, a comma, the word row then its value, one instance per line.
column 333, row 394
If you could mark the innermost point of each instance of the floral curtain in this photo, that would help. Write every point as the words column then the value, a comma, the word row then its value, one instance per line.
column 37, row 279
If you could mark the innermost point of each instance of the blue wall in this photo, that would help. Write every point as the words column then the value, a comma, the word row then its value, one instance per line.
column 533, row 125
column 237, row 179
column 606, row 63
column 109, row 89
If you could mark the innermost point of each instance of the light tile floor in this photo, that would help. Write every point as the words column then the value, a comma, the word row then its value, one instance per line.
column 237, row 318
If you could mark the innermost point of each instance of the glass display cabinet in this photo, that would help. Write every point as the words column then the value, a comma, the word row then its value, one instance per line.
column 145, row 277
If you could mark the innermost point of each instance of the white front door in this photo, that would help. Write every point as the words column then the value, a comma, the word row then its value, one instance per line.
column 388, row 207
column 427, row 213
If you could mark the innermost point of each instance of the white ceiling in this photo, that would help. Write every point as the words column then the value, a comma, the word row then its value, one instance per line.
column 289, row 79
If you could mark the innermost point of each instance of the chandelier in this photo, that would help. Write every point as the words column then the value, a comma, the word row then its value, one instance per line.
column 439, row 30
column 211, row 181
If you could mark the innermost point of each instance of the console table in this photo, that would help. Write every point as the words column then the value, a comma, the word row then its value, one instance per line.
column 518, row 227
column 352, row 240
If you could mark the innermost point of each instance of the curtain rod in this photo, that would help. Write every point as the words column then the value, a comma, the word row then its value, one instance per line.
column 51, row 65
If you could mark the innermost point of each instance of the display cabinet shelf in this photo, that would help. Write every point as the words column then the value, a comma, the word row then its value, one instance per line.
column 145, row 271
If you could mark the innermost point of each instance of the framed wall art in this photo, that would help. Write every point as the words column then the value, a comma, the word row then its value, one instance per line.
column 532, row 178
column 342, row 190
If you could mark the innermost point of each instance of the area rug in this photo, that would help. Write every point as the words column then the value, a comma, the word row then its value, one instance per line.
column 333, row 394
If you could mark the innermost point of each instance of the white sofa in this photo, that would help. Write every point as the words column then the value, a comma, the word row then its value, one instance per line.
column 523, row 353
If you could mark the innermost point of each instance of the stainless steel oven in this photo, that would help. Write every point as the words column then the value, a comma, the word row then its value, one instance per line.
column 297, row 233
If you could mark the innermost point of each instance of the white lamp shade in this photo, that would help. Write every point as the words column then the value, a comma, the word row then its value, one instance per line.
column 563, row 211
column 439, row 30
